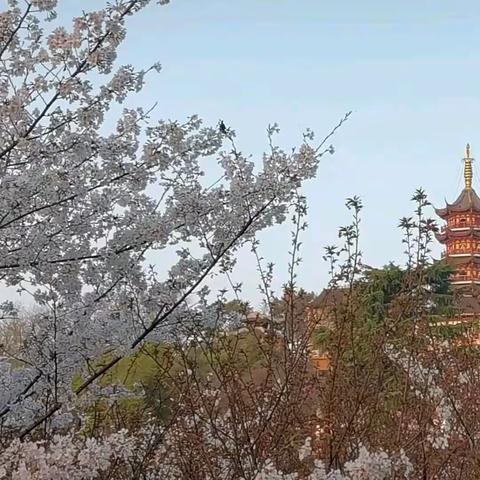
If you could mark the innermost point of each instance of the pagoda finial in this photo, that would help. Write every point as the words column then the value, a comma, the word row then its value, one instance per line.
column 468, row 172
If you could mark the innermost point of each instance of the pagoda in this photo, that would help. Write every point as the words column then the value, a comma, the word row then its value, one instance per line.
column 461, row 236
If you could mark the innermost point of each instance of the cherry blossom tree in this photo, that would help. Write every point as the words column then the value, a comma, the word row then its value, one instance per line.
column 77, row 219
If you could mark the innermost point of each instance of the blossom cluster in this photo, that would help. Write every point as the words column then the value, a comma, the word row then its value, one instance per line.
column 84, row 209
column 426, row 386
column 120, row 454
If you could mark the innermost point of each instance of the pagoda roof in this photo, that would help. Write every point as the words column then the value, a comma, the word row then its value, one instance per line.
column 467, row 201
column 468, row 304
column 463, row 260
column 454, row 233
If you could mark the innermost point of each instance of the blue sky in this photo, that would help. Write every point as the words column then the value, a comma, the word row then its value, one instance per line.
column 408, row 70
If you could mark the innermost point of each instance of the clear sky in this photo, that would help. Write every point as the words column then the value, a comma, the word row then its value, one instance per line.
column 408, row 70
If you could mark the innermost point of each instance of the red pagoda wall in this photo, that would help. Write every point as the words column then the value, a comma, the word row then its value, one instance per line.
column 461, row 237
column 462, row 246
column 466, row 273
column 463, row 220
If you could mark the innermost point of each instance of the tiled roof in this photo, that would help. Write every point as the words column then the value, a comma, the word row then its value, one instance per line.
column 464, row 233
column 467, row 201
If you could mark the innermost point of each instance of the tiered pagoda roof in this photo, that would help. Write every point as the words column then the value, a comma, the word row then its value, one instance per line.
column 468, row 305
column 466, row 259
column 468, row 201
column 450, row 233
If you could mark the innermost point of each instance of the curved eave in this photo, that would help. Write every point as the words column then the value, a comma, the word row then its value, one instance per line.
column 448, row 233
column 442, row 212
column 451, row 209
column 463, row 260
column 467, row 201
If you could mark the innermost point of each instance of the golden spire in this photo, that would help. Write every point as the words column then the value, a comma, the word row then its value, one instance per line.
column 468, row 172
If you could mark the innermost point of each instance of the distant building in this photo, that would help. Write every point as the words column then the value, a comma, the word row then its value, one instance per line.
column 321, row 312
column 461, row 237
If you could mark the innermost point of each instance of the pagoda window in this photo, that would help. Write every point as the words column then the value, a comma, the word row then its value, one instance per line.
column 463, row 222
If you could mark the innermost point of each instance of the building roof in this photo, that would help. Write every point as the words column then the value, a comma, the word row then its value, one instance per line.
column 467, row 201
column 463, row 260
column 467, row 232
column 468, row 305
